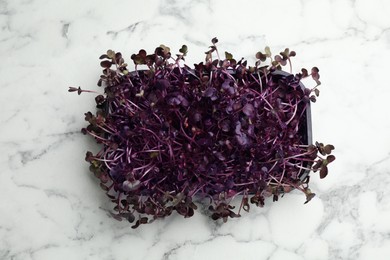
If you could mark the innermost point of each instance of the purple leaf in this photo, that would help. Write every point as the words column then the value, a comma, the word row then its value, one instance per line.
column 249, row 110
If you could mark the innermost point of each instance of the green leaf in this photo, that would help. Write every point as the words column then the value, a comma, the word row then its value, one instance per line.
column 165, row 49
column 285, row 54
column 140, row 57
column 228, row 55
column 110, row 54
column 183, row 50
column 268, row 51
column 309, row 196
column 261, row 56
column 154, row 154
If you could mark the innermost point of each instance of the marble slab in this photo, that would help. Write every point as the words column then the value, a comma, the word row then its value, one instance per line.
column 51, row 206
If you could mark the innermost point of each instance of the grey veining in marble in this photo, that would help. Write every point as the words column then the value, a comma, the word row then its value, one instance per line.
column 51, row 206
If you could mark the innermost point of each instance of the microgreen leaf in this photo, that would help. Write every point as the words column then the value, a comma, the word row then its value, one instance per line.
column 228, row 55
column 305, row 73
column 261, row 56
column 184, row 50
column 110, row 54
column 268, row 51
column 323, row 171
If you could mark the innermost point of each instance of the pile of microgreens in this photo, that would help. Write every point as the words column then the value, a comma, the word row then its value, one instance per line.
column 223, row 129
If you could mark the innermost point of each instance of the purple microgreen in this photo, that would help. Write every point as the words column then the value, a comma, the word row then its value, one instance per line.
column 315, row 75
column 328, row 148
column 106, row 64
column 304, row 73
column 79, row 90
column 139, row 58
column 323, row 171
column 171, row 135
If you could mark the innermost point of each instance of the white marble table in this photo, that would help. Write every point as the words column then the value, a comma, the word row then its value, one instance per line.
column 51, row 206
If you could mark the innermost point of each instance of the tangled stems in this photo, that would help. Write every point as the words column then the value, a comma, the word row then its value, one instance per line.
column 170, row 134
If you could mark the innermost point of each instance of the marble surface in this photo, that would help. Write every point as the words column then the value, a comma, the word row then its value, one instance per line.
column 51, row 206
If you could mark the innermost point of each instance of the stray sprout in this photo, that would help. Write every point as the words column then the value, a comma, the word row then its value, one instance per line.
column 224, row 129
